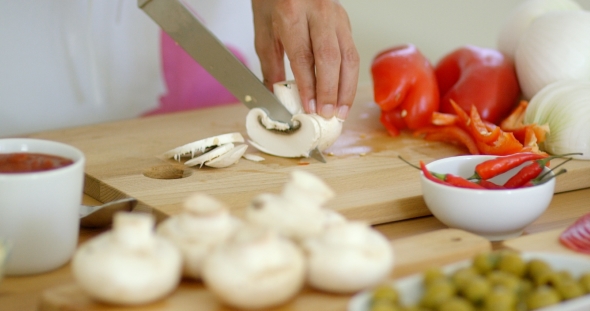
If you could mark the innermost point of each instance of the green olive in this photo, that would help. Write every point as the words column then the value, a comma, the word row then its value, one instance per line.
column 462, row 276
column 512, row 263
column 432, row 274
column 569, row 289
column 505, row 280
column 456, row 304
column 387, row 293
column 542, row 296
column 536, row 267
column 476, row 289
column 437, row 293
column 585, row 281
column 485, row 262
column 500, row 299
column 384, row 305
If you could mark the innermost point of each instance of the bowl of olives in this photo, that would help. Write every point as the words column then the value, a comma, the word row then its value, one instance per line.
column 499, row 280
column 497, row 213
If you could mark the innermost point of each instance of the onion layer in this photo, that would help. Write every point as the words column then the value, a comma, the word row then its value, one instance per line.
column 564, row 106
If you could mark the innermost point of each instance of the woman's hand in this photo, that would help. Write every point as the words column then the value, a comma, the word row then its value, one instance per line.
column 316, row 37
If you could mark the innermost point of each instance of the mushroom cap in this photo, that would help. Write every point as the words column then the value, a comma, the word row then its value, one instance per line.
column 348, row 257
column 203, row 223
column 307, row 188
column 112, row 270
column 286, row 216
column 256, row 268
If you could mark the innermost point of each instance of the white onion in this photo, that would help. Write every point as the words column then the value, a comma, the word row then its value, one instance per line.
column 554, row 47
column 519, row 19
column 564, row 106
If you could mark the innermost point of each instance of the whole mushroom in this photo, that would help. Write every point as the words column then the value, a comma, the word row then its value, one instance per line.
column 256, row 268
column 348, row 257
column 203, row 223
column 128, row 265
column 297, row 212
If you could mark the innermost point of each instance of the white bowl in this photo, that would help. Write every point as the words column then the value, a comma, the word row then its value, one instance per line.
column 39, row 211
column 494, row 214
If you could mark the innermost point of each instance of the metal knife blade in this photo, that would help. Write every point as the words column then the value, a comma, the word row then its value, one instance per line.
column 204, row 47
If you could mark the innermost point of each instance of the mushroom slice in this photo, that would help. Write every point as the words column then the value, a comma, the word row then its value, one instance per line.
column 203, row 223
column 129, row 265
column 210, row 155
column 253, row 157
column 228, row 158
column 200, row 146
column 348, row 257
column 310, row 131
column 255, row 269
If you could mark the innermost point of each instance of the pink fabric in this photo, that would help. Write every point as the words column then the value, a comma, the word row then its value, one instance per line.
column 189, row 85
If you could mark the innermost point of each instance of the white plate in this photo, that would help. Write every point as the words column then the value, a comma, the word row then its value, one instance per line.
column 410, row 288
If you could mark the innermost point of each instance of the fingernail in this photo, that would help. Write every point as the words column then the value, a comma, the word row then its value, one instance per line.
column 311, row 105
column 342, row 112
column 328, row 111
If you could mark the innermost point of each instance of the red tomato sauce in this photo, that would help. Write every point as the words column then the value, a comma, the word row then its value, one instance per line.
column 25, row 162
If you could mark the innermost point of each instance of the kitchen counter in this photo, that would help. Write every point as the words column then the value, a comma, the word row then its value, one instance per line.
column 114, row 166
column 24, row 293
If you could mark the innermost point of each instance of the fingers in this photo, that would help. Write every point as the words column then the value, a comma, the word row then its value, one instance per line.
column 268, row 47
column 316, row 37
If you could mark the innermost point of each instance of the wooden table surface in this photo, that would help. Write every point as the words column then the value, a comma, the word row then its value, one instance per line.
column 23, row 293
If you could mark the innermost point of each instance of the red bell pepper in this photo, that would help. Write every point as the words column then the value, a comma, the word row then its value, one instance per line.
column 405, row 88
column 481, row 77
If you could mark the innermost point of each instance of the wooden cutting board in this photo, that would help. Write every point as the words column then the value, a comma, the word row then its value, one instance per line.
column 547, row 241
column 370, row 182
column 413, row 254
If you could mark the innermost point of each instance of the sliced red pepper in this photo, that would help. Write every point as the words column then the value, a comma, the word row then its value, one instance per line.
column 514, row 121
column 479, row 130
column 505, row 144
column 481, row 77
column 450, row 134
column 439, row 118
column 462, row 116
column 405, row 88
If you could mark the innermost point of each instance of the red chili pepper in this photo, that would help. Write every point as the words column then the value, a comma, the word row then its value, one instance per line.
column 405, row 88
column 490, row 185
column 499, row 165
column 449, row 179
column 429, row 175
column 530, row 172
column 478, row 76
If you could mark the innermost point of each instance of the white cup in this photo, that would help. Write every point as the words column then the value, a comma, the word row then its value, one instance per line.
column 39, row 211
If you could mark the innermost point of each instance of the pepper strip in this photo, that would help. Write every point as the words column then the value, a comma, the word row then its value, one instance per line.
column 449, row 133
column 480, row 130
column 505, row 144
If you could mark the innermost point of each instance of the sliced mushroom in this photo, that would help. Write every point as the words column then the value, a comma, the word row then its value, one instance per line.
column 231, row 157
column 348, row 257
column 200, row 146
column 254, row 269
column 128, row 265
column 310, row 130
column 253, row 157
column 204, row 223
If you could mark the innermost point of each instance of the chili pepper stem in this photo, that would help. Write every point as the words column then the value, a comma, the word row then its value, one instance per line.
column 552, row 169
column 542, row 181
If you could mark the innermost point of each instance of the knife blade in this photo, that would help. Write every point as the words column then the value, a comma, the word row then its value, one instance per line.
column 204, row 47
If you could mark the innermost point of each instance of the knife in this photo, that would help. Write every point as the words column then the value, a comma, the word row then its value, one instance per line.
column 202, row 45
